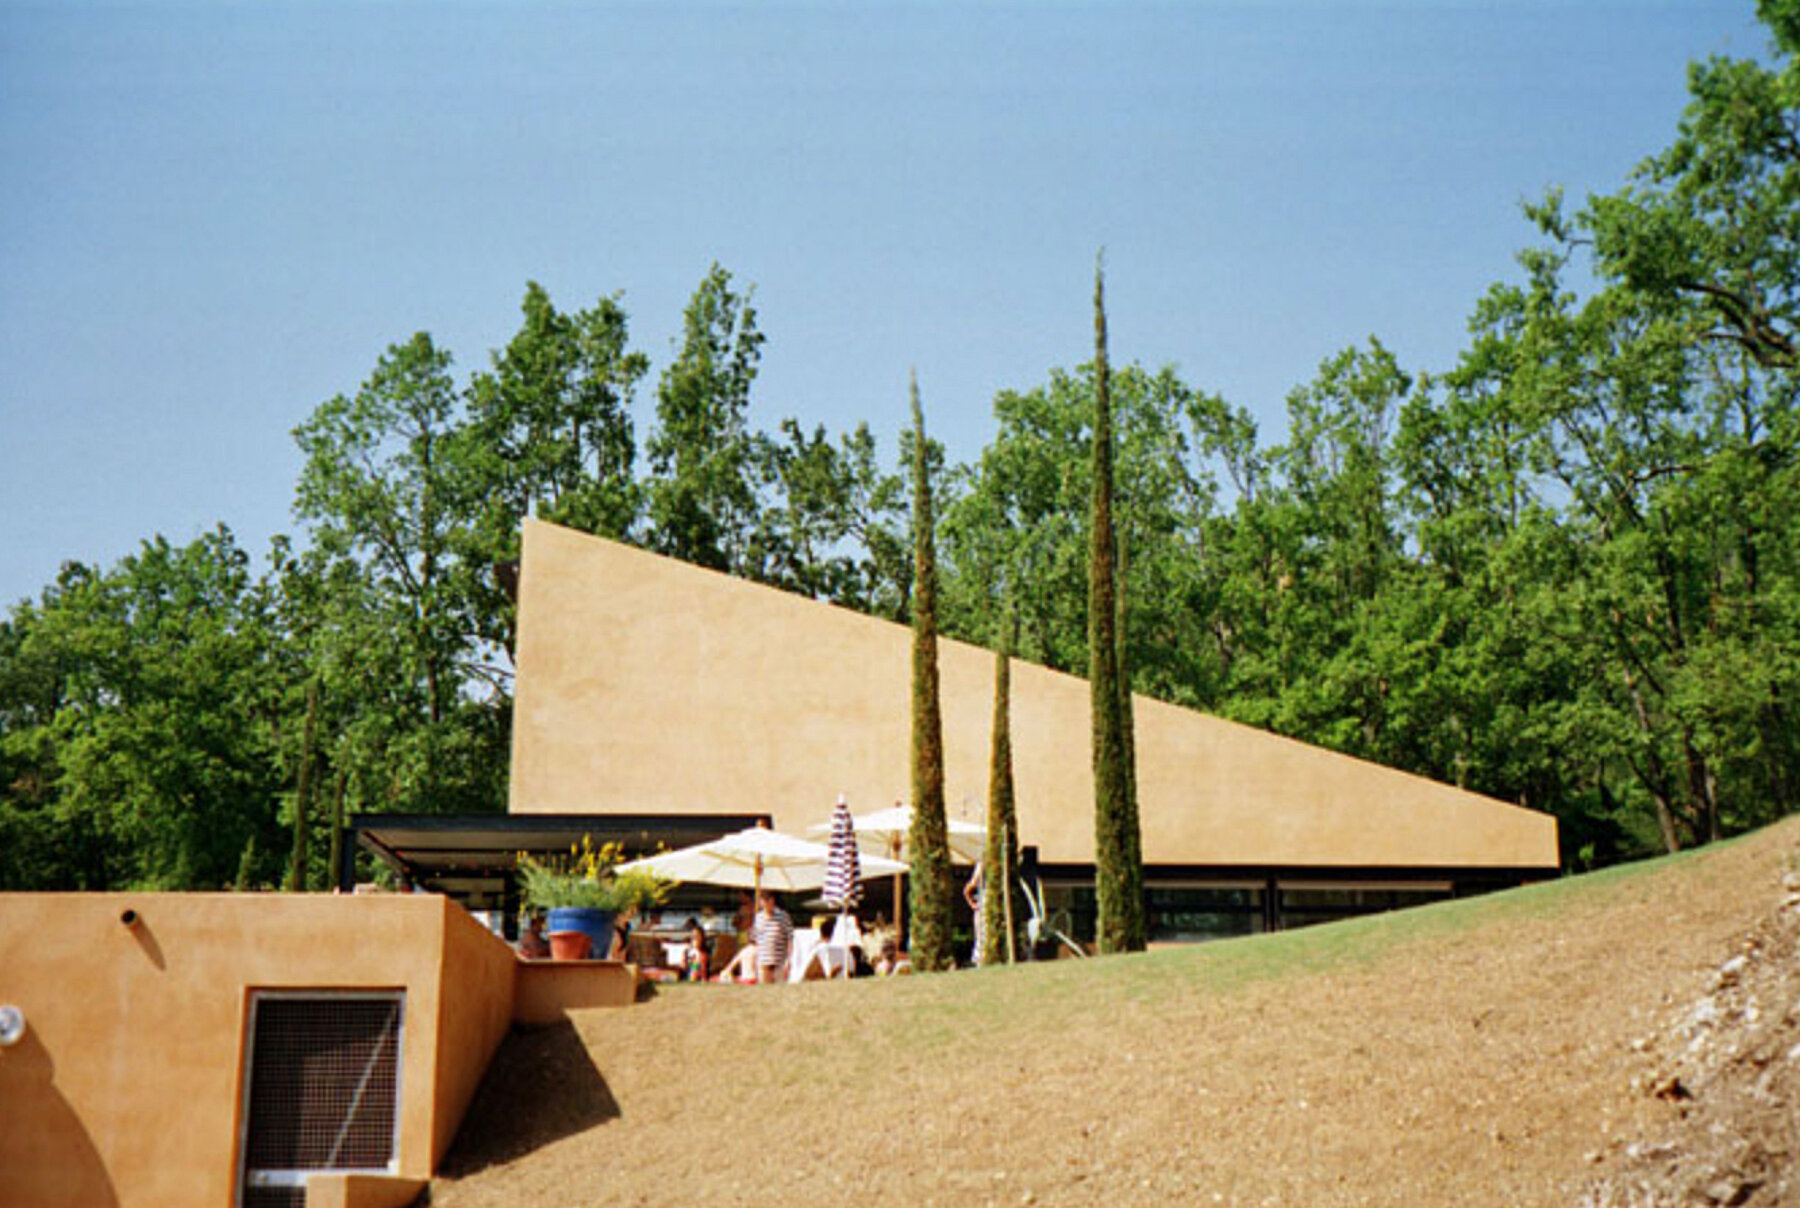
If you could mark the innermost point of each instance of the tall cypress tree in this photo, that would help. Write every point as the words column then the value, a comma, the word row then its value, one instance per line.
column 303, row 793
column 1000, row 859
column 1128, row 712
column 930, row 889
column 1118, row 863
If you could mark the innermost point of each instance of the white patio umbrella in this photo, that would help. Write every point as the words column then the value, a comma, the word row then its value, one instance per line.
column 888, row 830
column 756, row 858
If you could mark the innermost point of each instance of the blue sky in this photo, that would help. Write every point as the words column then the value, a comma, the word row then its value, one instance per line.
column 213, row 216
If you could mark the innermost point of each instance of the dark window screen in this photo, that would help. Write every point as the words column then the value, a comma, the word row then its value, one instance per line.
column 324, row 1084
column 275, row 1197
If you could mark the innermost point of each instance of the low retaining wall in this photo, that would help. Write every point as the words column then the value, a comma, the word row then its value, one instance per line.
column 126, row 1089
column 545, row 991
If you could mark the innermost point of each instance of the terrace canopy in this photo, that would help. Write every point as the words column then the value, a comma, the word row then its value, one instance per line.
column 471, row 857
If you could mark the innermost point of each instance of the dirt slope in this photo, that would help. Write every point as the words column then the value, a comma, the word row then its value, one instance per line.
column 1591, row 1044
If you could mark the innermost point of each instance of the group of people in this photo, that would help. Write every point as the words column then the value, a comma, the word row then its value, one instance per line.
column 764, row 958
column 761, row 959
column 534, row 945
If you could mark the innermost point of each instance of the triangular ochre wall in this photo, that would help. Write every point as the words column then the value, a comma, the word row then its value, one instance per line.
column 647, row 685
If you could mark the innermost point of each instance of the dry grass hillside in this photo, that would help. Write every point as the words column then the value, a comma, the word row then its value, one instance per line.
column 1626, row 1038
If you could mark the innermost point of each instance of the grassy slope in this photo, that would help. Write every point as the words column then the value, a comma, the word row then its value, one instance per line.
column 1470, row 1052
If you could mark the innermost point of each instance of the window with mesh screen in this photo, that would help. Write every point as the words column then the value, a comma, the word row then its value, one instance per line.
column 324, row 1085
column 288, row 1196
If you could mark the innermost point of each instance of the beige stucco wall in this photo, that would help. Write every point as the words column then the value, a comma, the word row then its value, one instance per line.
column 361, row 1191
column 546, row 991
column 474, row 1012
column 126, row 1088
column 650, row 686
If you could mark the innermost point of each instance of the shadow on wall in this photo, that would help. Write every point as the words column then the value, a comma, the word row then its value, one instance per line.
column 146, row 938
column 541, row 1087
column 28, row 1075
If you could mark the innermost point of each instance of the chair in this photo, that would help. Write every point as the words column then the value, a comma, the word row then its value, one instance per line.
column 645, row 951
column 849, row 937
column 806, row 941
column 831, row 957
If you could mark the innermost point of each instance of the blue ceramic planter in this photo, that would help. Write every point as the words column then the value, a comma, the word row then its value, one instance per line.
column 595, row 923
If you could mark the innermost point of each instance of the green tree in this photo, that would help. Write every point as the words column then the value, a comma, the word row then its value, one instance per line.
column 876, row 522
column 702, row 489
column 1000, row 905
column 929, row 886
column 1118, row 859
column 137, row 698
column 298, row 878
column 549, row 434
column 1020, row 518
column 386, row 486
column 1689, row 430
column 1315, row 549
column 830, row 524
column 42, row 844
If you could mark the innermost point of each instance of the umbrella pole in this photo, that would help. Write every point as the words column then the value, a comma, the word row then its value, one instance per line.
column 755, row 912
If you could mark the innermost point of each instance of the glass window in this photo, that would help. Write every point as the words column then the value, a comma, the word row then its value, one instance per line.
column 1189, row 914
column 1301, row 906
column 1174, row 914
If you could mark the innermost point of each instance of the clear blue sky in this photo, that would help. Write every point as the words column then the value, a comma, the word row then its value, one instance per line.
column 214, row 216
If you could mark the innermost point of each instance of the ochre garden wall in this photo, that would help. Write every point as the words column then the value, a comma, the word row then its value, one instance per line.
column 647, row 685
column 474, row 1012
column 125, row 1090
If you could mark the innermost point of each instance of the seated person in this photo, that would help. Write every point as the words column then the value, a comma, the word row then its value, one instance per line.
column 744, row 918
column 532, row 945
column 818, row 962
column 891, row 961
column 699, row 952
column 742, row 969
column 621, row 940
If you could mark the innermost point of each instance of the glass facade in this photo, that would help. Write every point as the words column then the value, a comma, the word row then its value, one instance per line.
column 1197, row 911
column 1179, row 914
column 1175, row 913
column 1302, row 905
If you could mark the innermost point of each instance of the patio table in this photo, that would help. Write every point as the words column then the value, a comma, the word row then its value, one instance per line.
column 806, row 945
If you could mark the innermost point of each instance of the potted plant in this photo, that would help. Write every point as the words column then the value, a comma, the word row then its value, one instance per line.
column 583, row 892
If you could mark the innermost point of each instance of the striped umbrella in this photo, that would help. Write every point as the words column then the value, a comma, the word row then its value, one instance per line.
column 887, row 830
column 843, row 874
column 843, row 868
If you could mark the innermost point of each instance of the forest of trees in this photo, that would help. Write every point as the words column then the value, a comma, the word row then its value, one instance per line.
column 1563, row 571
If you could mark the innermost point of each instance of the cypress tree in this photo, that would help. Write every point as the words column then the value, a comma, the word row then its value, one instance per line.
column 303, row 793
column 1000, row 859
column 246, row 873
column 1128, row 718
column 337, row 828
column 930, row 888
column 1118, row 864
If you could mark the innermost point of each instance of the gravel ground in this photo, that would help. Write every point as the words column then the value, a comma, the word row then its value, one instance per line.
column 1542, row 1047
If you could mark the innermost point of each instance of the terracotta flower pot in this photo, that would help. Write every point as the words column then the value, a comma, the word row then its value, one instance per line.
column 568, row 945
column 591, row 921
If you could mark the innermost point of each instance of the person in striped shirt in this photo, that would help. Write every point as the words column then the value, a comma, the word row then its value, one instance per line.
column 774, row 936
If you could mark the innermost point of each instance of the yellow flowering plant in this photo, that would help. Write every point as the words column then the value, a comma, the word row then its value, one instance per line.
column 587, row 876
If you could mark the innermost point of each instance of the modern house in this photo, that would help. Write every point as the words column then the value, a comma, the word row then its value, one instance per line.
column 652, row 688
column 272, row 1050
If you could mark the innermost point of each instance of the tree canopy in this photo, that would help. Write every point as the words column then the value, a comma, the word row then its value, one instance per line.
column 1561, row 570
